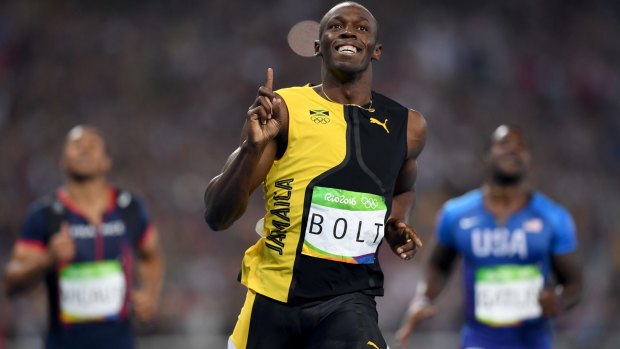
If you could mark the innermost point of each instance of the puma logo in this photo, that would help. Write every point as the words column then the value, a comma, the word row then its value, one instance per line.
column 382, row 124
column 372, row 344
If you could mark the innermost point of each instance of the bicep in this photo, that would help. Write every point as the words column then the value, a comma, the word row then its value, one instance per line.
column 404, row 194
column 404, row 188
column 566, row 268
column 27, row 252
column 416, row 134
column 442, row 258
column 150, row 246
column 25, row 259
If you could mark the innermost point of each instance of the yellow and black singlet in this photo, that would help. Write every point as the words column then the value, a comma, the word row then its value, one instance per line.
column 327, row 199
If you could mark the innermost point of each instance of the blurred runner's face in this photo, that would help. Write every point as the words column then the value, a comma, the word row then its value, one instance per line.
column 85, row 155
column 508, row 157
column 348, row 40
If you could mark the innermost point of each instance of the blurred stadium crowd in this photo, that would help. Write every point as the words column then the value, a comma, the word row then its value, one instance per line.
column 169, row 84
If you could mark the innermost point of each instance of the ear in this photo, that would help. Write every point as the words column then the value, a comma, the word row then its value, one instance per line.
column 317, row 48
column 376, row 54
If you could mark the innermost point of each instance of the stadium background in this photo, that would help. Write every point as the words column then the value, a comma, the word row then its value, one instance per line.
column 169, row 82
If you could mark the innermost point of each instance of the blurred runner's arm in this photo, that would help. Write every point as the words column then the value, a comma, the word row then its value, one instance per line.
column 150, row 274
column 566, row 269
column 421, row 307
column 569, row 276
column 27, row 266
column 29, row 263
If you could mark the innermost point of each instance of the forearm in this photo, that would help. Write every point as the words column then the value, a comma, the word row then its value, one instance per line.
column 439, row 270
column 402, row 205
column 570, row 295
column 570, row 278
column 21, row 274
column 435, row 283
column 151, row 273
column 227, row 195
column 427, row 290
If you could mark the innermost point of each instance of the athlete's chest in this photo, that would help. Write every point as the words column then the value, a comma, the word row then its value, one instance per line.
column 105, row 240
column 374, row 140
column 524, row 238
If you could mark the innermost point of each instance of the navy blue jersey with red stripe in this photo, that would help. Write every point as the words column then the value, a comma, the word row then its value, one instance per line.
column 505, row 267
column 89, row 299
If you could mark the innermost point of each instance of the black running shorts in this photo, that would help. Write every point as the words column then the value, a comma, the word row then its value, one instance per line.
column 344, row 322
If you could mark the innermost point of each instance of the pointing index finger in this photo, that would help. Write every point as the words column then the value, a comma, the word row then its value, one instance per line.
column 269, row 82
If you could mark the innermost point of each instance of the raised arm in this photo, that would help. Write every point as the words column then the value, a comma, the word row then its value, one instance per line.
column 402, row 237
column 263, row 137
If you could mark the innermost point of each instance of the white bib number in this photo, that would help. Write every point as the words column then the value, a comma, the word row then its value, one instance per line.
column 344, row 226
column 91, row 291
column 507, row 294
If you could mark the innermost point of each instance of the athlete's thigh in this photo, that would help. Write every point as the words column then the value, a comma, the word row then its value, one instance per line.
column 264, row 323
column 352, row 324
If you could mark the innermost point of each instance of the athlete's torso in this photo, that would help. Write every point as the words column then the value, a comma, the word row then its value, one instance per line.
column 89, row 296
column 505, row 267
column 327, row 199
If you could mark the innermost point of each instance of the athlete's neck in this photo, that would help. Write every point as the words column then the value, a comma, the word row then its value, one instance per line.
column 348, row 89
column 91, row 193
column 502, row 200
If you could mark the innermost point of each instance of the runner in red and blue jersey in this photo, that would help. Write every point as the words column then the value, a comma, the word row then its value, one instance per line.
column 512, row 240
column 83, row 240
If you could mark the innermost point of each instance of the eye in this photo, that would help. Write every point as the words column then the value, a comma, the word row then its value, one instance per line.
column 335, row 26
column 362, row 28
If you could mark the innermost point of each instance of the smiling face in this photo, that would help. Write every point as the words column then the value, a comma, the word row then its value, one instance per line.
column 348, row 38
column 84, row 155
column 508, row 158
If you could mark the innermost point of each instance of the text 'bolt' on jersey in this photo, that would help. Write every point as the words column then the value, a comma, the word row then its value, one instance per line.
column 327, row 199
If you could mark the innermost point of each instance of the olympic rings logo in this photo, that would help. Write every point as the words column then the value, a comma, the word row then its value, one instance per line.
column 319, row 119
column 369, row 202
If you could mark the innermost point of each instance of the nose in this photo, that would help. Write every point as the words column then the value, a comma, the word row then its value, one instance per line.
column 348, row 32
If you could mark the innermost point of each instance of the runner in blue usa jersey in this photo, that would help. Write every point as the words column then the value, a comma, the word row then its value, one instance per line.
column 83, row 240
column 519, row 256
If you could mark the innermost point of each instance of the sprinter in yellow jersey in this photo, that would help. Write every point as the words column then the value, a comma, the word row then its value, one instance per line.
column 337, row 162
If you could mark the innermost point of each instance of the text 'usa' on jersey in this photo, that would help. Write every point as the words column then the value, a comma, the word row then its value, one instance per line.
column 505, row 267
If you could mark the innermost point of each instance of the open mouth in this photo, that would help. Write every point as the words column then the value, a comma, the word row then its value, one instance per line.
column 347, row 49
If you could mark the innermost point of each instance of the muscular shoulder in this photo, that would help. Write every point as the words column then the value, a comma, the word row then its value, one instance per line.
column 551, row 210
column 466, row 202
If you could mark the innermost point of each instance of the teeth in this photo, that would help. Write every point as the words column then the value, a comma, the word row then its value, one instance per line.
column 347, row 49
